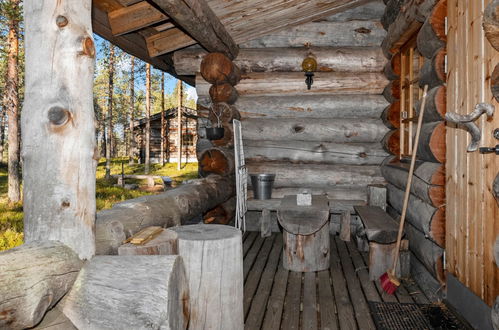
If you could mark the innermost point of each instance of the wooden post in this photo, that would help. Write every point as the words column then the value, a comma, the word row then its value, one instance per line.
column 132, row 110
column 109, row 140
column 345, row 226
column 179, row 126
column 162, row 118
column 148, row 119
column 214, row 262
column 58, row 131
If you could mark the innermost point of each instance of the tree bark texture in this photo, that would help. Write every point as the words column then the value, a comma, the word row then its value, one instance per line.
column 393, row 66
column 432, row 35
column 222, row 214
column 223, row 93
column 216, row 160
column 337, row 59
column 311, row 106
column 494, row 83
column 130, row 292
column 35, row 276
column 109, row 119
column 217, row 69
column 392, row 91
column 213, row 258
column 427, row 182
column 11, row 102
column 423, row 216
column 315, row 152
column 312, row 129
column 307, row 253
column 147, row 161
column 172, row 208
column 282, row 83
column 164, row 243
column 317, row 175
column 58, row 125
column 391, row 115
column 391, row 142
column 392, row 10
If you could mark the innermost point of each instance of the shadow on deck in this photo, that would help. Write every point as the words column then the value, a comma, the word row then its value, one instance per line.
column 275, row 298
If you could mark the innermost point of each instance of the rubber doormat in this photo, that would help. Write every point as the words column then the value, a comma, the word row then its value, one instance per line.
column 396, row 316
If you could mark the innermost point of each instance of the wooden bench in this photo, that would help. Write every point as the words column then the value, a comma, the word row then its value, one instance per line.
column 381, row 231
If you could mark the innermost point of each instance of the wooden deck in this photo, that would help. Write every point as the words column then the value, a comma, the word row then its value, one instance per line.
column 275, row 298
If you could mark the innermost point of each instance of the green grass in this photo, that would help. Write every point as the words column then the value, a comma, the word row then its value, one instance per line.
column 11, row 216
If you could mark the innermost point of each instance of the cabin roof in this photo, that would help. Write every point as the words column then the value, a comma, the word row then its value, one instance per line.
column 145, row 30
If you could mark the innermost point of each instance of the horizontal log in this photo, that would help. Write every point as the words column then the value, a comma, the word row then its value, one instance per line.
column 431, row 146
column 432, row 35
column 430, row 254
column 130, row 292
column 216, row 68
column 315, row 152
column 391, row 115
column 282, row 83
column 391, row 12
column 34, row 277
column 171, row 208
column 391, row 92
column 216, row 161
column 436, row 105
column 313, row 129
column 355, row 33
column 427, row 192
column 226, row 113
column 317, row 175
column 337, row 192
column 408, row 21
column 423, row 216
column 222, row 214
column 391, row 142
column 433, row 70
column 392, row 67
column 337, row 59
column 494, row 83
column 312, row 106
column 336, row 206
column 370, row 11
column 223, row 93
column 429, row 285
column 431, row 173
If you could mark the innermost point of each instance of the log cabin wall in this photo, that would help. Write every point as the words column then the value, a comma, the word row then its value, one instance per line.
column 472, row 213
column 416, row 44
column 328, row 138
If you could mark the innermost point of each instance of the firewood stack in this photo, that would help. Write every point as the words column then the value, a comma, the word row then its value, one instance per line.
column 426, row 211
column 217, row 156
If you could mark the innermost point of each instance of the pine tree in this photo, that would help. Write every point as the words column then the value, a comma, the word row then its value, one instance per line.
column 109, row 141
column 148, row 117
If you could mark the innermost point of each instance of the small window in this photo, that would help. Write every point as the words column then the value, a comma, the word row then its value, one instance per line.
column 410, row 93
column 188, row 139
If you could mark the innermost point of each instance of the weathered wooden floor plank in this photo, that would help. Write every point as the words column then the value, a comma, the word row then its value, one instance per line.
column 292, row 302
column 310, row 307
column 343, row 303
column 255, row 273
column 403, row 295
column 361, row 309
column 363, row 272
column 416, row 293
column 327, row 305
column 251, row 256
column 259, row 300
column 273, row 314
column 248, row 242
column 384, row 296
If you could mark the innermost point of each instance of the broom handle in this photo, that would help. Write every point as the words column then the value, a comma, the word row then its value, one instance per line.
column 409, row 181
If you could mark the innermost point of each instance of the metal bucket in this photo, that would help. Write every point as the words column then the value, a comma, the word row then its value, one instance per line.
column 262, row 185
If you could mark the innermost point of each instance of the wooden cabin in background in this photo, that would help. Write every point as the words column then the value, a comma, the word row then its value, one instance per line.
column 347, row 138
column 170, row 139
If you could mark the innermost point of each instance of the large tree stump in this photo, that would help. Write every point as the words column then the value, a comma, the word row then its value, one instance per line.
column 214, row 263
column 33, row 277
column 130, row 292
column 305, row 234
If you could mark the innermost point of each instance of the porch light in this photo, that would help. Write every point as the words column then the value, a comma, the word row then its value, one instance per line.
column 309, row 65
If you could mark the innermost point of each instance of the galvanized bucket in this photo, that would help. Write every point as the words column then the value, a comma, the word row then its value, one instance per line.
column 262, row 185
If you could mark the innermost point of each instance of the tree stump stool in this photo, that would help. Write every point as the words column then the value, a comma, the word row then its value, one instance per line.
column 213, row 260
column 164, row 243
column 306, row 234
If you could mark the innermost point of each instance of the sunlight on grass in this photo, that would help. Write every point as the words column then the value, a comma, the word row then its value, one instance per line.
column 107, row 194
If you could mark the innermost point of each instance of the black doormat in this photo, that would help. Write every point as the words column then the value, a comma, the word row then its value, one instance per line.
column 396, row 316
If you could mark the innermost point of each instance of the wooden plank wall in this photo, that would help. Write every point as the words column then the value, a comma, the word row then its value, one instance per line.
column 472, row 214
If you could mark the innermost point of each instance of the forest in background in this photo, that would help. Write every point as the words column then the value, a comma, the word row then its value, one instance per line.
column 125, row 89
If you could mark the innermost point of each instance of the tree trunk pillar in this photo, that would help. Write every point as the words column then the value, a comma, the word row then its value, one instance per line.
column 214, row 262
column 58, row 125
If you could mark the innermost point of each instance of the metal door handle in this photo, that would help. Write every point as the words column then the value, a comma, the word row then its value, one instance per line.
column 487, row 150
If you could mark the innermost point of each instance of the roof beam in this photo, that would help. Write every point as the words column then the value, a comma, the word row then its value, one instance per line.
column 167, row 41
column 197, row 18
column 134, row 17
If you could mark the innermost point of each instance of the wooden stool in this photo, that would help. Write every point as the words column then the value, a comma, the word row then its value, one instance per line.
column 213, row 260
column 163, row 243
column 306, row 234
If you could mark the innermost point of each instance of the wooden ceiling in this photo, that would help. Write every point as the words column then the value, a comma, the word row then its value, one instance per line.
column 153, row 29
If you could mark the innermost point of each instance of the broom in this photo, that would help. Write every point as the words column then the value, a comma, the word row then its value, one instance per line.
column 390, row 282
